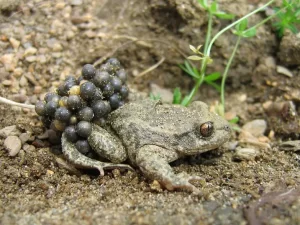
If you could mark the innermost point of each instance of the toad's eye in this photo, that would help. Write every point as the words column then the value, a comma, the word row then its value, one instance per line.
column 206, row 129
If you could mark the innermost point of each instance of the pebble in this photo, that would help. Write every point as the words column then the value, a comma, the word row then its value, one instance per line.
column 284, row 71
column 13, row 145
column 7, row 83
column 256, row 127
column 23, row 81
column 24, row 137
column 37, row 89
column 18, row 72
column 28, row 147
column 9, row 130
column 247, row 154
column 30, row 51
column 31, row 58
column 14, row 43
column 76, row 2
column 8, row 62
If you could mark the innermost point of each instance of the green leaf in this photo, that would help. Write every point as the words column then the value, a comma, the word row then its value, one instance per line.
column 213, row 8
column 195, row 58
column 155, row 97
column 235, row 120
column 249, row 33
column 214, row 85
column 193, row 49
column 212, row 77
column 241, row 26
column 177, row 96
column 224, row 16
column 203, row 3
column 188, row 69
column 185, row 101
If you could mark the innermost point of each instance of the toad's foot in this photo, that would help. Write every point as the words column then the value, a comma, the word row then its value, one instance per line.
column 154, row 162
column 81, row 161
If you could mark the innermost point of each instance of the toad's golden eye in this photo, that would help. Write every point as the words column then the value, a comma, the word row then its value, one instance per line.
column 206, row 129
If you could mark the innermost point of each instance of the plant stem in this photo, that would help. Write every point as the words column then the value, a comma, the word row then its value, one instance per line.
column 233, row 24
column 226, row 72
column 10, row 102
column 203, row 62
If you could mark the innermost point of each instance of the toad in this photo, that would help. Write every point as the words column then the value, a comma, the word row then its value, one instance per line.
column 150, row 135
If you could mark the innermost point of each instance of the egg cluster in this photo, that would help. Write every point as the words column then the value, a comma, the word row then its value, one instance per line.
column 79, row 102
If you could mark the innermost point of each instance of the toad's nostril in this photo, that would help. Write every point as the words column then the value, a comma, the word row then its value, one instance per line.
column 227, row 128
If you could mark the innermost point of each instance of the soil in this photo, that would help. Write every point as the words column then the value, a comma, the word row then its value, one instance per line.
column 44, row 41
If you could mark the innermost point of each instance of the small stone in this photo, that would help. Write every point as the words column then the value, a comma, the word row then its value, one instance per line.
column 284, row 71
column 7, row 83
column 14, row 43
column 23, row 81
column 31, row 58
column 28, row 148
column 30, row 51
column 245, row 154
column 37, row 89
column 76, row 2
column 10, row 130
column 155, row 186
column 24, row 137
column 256, row 127
column 18, row 72
column 57, row 47
column 13, row 145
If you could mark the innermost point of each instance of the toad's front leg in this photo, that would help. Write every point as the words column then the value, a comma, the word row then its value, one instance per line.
column 154, row 163
column 103, row 143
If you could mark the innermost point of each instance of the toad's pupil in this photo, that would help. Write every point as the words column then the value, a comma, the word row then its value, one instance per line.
column 206, row 129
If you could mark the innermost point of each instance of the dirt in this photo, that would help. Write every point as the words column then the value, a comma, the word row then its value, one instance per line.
column 39, row 187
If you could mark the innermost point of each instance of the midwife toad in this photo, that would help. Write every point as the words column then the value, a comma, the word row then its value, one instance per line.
column 151, row 135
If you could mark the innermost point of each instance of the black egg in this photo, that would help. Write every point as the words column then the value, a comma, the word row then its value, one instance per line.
column 63, row 89
column 50, row 108
column 54, row 137
column 116, row 83
column 107, row 67
column 58, row 125
column 80, row 79
column 99, row 121
column 84, row 129
column 63, row 114
column 108, row 90
column 87, row 90
column 122, row 75
column 63, row 101
column 46, row 121
column 74, row 102
column 40, row 108
column 52, row 97
column 115, row 63
column 121, row 103
column 101, row 108
column 101, row 78
column 88, row 71
column 71, row 78
column 124, row 92
column 114, row 100
column 73, row 120
column 86, row 114
column 70, row 134
column 83, row 146
column 98, row 95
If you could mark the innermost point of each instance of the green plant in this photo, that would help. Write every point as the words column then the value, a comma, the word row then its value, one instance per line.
column 241, row 31
column 288, row 18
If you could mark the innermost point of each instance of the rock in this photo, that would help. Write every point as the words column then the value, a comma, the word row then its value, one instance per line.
column 284, row 71
column 13, row 145
column 6, row 5
column 256, row 127
column 245, row 154
column 289, row 50
column 76, row 2
column 30, row 51
column 31, row 58
column 28, row 148
column 10, row 130
column 24, row 137
column 14, row 43
column 7, row 83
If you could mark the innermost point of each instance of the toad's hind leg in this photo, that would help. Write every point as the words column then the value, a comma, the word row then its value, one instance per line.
column 154, row 163
column 81, row 161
